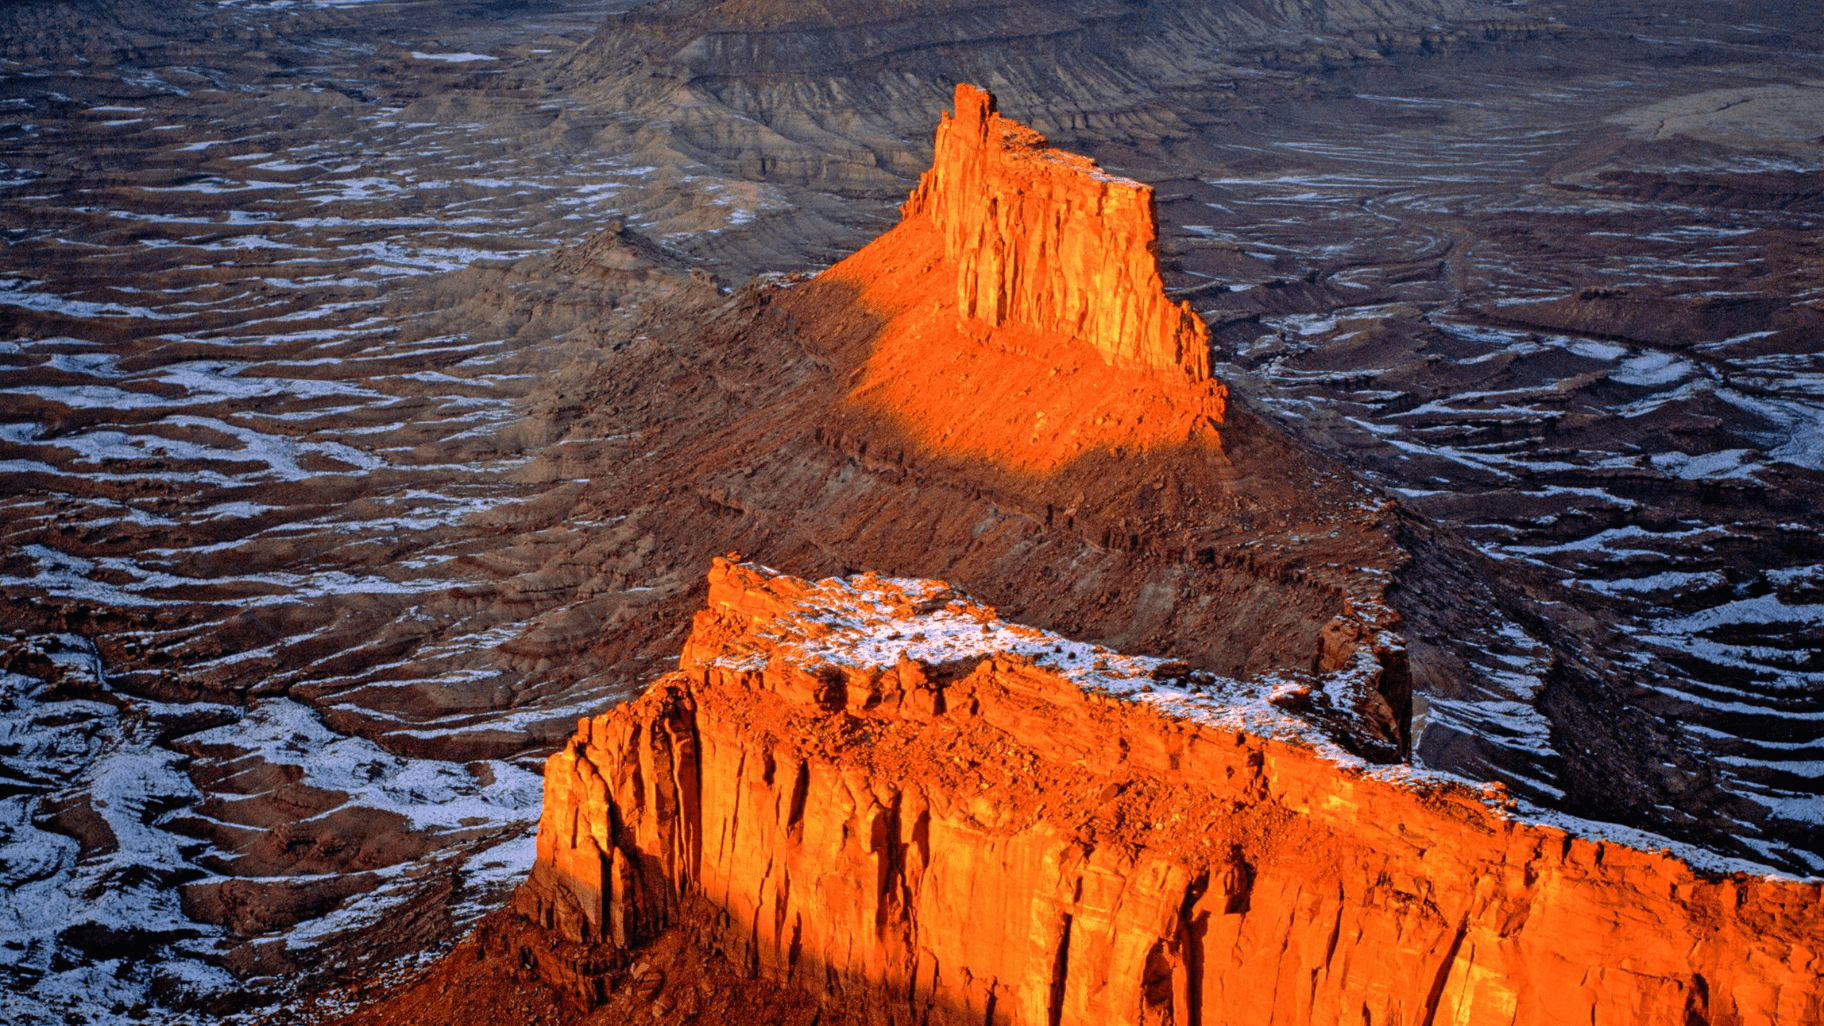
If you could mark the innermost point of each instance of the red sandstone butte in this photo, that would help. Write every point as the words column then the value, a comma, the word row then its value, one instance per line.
column 1048, row 240
column 1016, row 315
column 877, row 793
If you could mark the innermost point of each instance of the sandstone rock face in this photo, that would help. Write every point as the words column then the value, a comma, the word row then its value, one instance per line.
column 1016, row 316
column 1046, row 239
column 876, row 792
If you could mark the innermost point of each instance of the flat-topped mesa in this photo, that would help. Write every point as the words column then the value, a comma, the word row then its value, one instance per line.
column 876, row 794
column 1048, row 240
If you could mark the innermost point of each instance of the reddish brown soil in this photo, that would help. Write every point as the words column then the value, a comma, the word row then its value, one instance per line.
column 493, row 977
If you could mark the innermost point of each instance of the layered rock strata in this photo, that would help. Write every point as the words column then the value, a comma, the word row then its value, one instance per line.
column 1048, row 240
column 877, row 792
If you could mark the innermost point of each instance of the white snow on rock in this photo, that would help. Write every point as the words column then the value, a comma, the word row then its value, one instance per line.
column 870, row 621
column 453, row 58
column 120, row 896
column 87, row 930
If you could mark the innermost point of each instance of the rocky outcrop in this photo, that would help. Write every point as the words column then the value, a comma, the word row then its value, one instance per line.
column 1016, row 317
column 877, row 792
column 1048, row 240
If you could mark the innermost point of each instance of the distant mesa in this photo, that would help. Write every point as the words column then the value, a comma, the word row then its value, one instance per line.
column 1023, row 318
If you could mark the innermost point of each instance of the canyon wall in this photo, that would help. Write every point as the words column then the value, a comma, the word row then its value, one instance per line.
column 877, row 792
column 1046, row 239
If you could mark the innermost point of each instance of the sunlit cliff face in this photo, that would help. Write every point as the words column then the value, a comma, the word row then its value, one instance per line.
column 876, row 790
column 1023, row 320
column 1048, row 240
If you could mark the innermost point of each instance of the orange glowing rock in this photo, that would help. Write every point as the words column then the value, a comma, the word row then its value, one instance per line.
column 985, row 834
column 1048, row 240
column 1021, row 318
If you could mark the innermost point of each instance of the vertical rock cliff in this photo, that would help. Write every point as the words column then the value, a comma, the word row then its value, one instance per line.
column 877, row 793
column 1018, row 318
column 1046, row 239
